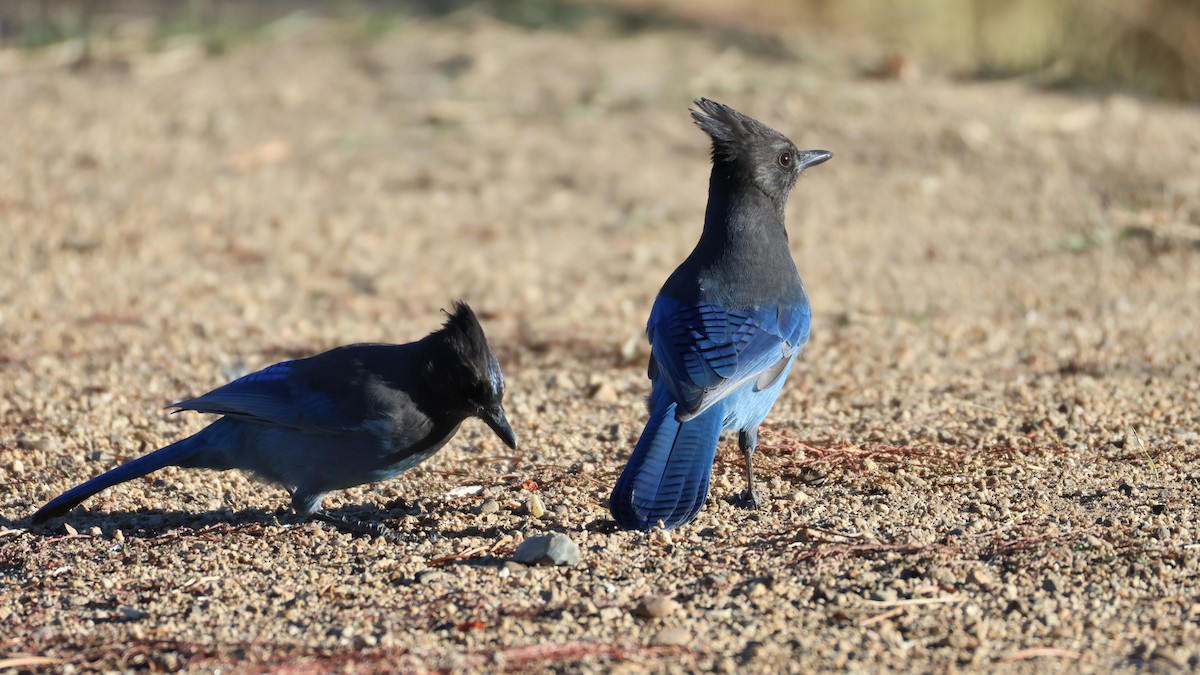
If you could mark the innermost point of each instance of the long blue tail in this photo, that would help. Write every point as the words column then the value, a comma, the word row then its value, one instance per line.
column 169, row 456
column 667, row 475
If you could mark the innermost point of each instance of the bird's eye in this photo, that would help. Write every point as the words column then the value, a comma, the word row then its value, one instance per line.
column 785, row 159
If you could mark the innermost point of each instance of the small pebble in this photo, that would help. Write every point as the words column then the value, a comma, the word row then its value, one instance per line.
column 942, row 575
column 656, row 607
column 489, row 506
column 560, row 381
column 980, row 577
column 534, row 506
column 675, row 636
column 605, row 393
column 885, row 595
column 462, row 491
column 427, row 575
column 39, row 444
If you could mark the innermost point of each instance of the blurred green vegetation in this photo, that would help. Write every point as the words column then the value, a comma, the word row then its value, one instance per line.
column 1147, row 47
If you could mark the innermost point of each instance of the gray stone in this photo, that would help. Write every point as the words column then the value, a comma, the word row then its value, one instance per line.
column 548, row 549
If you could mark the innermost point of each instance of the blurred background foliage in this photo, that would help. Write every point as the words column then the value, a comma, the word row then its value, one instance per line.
column 1146, row 47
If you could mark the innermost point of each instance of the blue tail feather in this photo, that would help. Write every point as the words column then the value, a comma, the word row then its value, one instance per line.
column 171, row 455
column 667, row 475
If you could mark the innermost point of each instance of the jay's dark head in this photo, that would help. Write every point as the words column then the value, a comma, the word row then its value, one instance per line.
column 747, row 151
column 469, row 376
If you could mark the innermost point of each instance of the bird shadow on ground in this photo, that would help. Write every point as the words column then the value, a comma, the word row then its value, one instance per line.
column 151, row 524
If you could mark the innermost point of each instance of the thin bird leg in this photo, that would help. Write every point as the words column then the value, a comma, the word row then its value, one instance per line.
column 352, row 526
column 747, row 442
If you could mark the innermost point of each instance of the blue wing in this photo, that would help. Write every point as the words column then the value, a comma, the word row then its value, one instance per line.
column 273, row 396
column 703, row 352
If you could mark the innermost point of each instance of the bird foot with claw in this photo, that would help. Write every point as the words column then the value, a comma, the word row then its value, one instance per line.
column 751, row 499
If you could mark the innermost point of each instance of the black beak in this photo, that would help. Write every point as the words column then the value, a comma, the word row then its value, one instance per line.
column 493, row 416
column 809, row 158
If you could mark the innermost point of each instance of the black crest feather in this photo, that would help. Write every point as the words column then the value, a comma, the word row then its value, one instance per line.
column 465, row 335
column 730, row 130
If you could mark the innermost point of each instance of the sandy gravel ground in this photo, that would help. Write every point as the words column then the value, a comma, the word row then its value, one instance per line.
column 986, row 459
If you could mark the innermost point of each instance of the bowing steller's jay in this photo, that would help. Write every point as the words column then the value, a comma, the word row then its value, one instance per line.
column 725, row 328
column 352, row 415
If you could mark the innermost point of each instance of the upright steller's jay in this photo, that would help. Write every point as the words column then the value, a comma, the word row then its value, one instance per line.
column 725, row 327
column 352, row 415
